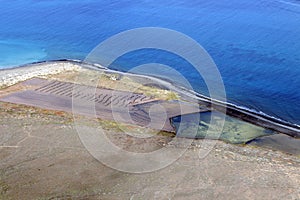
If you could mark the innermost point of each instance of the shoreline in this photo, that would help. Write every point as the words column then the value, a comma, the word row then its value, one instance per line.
column 17, row 74
column 39, row 145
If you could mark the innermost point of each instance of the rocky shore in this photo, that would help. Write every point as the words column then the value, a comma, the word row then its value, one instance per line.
column 44, row 69
column 12, row 76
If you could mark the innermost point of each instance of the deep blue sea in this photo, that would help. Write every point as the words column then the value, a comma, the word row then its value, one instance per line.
column 255, row 44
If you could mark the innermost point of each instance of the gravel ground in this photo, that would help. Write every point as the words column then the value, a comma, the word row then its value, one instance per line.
column 42, row 157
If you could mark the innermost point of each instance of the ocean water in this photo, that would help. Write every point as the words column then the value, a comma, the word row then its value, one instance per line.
column 255, row 44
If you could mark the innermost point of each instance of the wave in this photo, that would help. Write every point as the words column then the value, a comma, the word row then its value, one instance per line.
column 251, row 110
column 292, row 3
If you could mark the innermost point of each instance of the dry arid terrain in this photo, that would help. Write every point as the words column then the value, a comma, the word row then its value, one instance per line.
column 42, row 157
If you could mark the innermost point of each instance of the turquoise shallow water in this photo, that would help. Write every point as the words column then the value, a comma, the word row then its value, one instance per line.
column 234, row 130
column 255, row 44
column 18, row 52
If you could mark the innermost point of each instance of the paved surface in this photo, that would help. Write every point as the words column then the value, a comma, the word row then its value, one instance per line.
column 107, row 104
